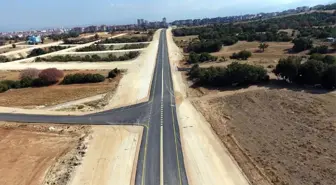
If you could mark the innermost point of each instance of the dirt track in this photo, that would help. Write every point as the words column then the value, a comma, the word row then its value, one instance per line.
column 289, row 135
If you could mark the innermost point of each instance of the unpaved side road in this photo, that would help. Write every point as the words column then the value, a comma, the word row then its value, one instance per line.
column 111, row 157
column 207, row 160
column 135, row 85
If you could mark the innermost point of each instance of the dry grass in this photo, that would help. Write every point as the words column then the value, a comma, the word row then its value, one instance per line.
column 289, row 135
column 56, row 94
column 185, row 40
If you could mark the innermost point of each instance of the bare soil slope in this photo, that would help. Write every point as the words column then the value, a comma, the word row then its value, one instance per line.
column 33, row 154
column 288, row 137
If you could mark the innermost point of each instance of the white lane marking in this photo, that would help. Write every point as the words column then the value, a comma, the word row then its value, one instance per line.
column 161, row 128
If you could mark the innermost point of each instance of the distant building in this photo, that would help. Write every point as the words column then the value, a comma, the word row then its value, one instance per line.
column 78, row 29
column 330, row 39
column 34, row 39
column 141, row 22
column 103, row 28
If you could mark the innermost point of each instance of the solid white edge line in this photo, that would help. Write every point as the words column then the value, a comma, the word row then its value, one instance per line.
column 161, row 128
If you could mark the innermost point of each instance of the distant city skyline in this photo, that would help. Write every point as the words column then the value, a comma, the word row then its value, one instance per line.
column 38, row 14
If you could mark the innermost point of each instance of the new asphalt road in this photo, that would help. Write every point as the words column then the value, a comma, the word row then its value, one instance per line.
column 160, row 157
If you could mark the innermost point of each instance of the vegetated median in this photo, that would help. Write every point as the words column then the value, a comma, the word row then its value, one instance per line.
column 49, row 87
column 88, row 58
column 80, row 40
column 35, row 52
column 100, row 47
column 127, row 39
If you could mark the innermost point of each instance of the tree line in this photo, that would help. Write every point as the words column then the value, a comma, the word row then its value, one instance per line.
column 212, row 37
column 318, row 70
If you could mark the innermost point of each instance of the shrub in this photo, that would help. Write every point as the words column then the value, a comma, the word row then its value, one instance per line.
column 113, row 73
column 311, row 72
column 39, row 82
column 330, row 60
column 329, row 77
column 11, row 84
column 288, row 68
column 319, row 49
column 316, row 56
column 203, row 57
column 29, row 73
column 50, row 75
column 80, row 78
column 94, row 47
column 234, row 74
column 4, row 59
column 204, row 46
column 242, row 55
column 36, row 52
column 3, row 87
column 26, row 82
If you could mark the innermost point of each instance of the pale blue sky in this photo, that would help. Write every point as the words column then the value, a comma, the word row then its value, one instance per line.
column 33, row 14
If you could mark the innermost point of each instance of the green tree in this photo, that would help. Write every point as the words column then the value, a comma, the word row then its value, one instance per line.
column 262, row 46
column 329, row 77
column 311, row 72
column 288, row 68
column 96, row 36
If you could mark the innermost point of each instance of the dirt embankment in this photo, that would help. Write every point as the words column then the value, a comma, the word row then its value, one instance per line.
column 277, row 136
column 40, row 154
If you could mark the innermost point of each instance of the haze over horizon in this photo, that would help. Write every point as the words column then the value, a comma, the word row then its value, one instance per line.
column 40, row 14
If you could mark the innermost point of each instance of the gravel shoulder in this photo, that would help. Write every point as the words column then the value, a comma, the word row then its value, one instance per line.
column 206, row 159
column 111, row 157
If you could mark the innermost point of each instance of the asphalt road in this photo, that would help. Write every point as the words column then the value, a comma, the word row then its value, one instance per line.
column 160, row 159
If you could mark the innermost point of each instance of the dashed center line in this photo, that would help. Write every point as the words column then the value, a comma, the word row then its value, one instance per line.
column 161, row 118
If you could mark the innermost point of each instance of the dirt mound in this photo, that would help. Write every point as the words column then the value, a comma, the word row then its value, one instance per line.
column 289, row 135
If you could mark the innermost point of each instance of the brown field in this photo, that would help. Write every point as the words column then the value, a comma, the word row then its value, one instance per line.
column 275, row 51
column 32, row 154
column 56, row 94
column 277, row 136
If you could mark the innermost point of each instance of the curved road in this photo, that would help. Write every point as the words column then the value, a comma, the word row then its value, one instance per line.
column 160, row 159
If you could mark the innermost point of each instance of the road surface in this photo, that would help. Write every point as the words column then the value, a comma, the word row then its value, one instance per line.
column 160, row 159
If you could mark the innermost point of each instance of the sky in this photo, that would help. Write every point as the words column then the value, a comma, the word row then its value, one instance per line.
column 18, row 15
